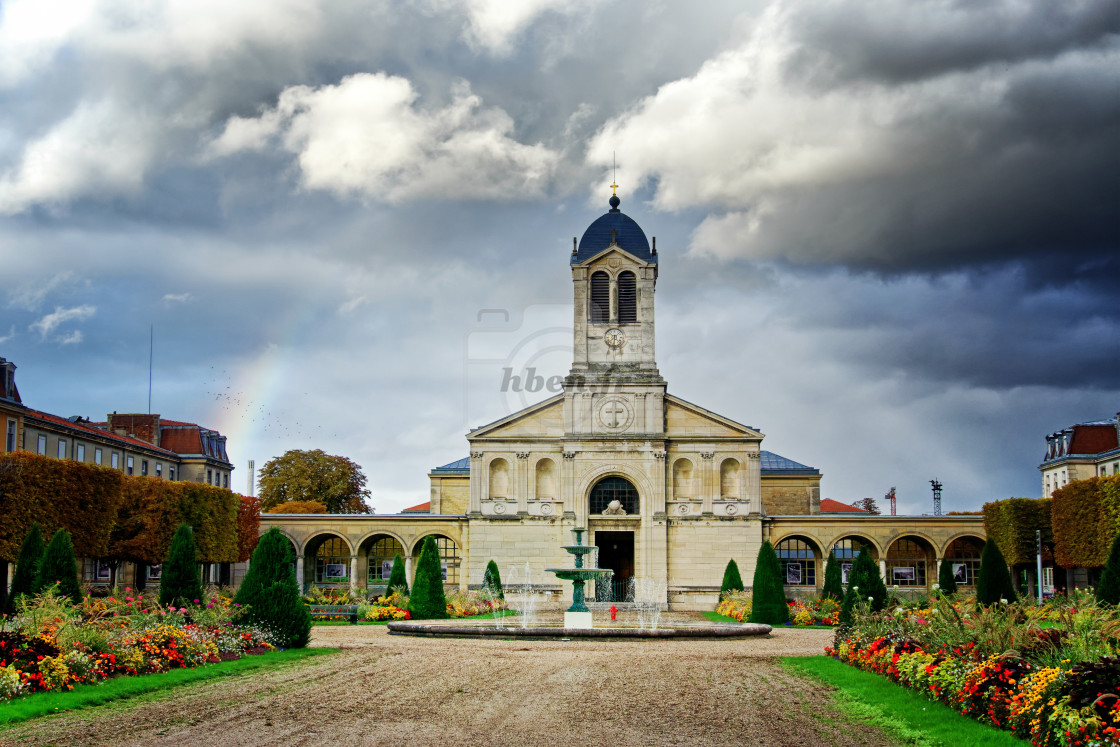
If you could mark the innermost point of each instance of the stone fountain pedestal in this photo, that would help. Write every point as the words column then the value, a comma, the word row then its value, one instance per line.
column 578, row 617
column 577, row 620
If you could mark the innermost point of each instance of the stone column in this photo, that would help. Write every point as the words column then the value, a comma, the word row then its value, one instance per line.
column 754, row 481
column 353, row 573
column 707, row 465
column 299, row 574
column 523, row 470
column 408, row 570
column 883, row 569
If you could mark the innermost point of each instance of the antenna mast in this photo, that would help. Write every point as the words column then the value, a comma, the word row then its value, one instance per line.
column 936, row 496
column 151, row 354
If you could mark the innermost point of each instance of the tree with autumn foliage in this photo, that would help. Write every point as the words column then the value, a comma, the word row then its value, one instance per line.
column 334, row 481
column 299, row 507
column 248, row 526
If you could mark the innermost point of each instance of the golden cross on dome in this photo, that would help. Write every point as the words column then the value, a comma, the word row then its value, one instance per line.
column 614, row 176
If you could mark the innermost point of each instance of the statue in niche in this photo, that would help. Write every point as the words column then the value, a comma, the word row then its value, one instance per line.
column 614, row 508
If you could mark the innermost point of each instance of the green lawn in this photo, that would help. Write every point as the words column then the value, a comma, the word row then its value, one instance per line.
column 906, row 715
column 119, row 688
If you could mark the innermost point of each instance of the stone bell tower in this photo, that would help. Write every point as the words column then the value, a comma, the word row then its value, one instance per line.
column 614, row 387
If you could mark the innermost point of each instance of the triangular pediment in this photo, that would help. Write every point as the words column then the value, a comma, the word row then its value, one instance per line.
column 686, row 420
column 542, row 420
column 616, row 251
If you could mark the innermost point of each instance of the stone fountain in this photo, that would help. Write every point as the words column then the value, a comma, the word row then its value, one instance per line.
column 578, row 616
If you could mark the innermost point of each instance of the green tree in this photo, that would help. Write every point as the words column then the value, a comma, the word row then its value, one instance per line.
column 869, row 505
column 58, row 566
column 833, row 579
column 864, row 584
column 397, row 579
column 181, row 581
column 271, row 592
column 492, row 580
column 945, row 578
column 427, row 601
column 1108, row 590
column 993, row 583
column 768, row 602
column 732, row 581
column 27, row 567
column 334, row 481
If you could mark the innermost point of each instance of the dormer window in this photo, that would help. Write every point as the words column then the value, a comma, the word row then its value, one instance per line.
column 627, row 298
column 600, row 298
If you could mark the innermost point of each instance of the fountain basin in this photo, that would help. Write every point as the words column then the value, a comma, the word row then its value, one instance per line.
column 458, row 630
column 584, row 574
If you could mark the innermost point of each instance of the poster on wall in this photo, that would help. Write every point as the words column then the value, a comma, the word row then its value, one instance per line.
column 334, row 571
column 443, row 570
column 845, row 571
column 386, row 569
column 903, row 574
column 793, row 574
column 154, row 572
column 960, row 573
column 104, row 570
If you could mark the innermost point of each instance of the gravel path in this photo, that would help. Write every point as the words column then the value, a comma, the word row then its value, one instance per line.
column 384, row 689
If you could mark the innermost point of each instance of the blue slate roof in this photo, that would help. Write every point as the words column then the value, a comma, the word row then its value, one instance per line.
column 775, row 464
column 628, row 235
column 458, row 467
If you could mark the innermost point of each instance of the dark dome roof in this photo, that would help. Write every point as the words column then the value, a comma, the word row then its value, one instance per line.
column 628, row 235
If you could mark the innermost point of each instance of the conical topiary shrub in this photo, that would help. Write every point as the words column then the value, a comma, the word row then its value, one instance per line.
column 427, row 601
column 59, row 567
column 27, row 566
column 180, row 583
column 864, row 584
column 768, row 602
column 732, row 581
column 271, row 592
column 1108, row 590
column 492, row 580
column 397, row 579
column 993, row 583
column 945, row 578
column 833, row 579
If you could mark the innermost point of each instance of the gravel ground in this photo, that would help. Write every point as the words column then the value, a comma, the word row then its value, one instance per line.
column 385, row 689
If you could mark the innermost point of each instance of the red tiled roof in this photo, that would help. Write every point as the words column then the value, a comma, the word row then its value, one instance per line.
column 94, row 431
column 1092, row 439
column 422, row 508
column 830, row 506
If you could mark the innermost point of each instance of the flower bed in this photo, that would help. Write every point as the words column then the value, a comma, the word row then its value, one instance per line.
column 1050, row 673
column 821, row 611
column 53, row 645
column 395, row 606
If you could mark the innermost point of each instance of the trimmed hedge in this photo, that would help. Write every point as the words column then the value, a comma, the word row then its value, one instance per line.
column 27, row 567
column 271, row 592
column 1108, row 590
column 945, row 578
column 768, row 602
column 1086, row 516
column 427, row 601
column 1012, row 524
column 993, row 583
column 732, row 581
column 181, row 582
column 492, row 580
column 397, row 578
column 59, row 567
column 833, row 578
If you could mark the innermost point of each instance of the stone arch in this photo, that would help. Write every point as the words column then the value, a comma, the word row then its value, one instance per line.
column 379, row 549
column 315, row 540
column 729, row 470
column 861, row 538
column 388, row 532
column 909, row 560
column 683, row 481
column 959, row 535
column 450, row 554
column 327, row 558
column 963, row 555
column 801, row 559
column 546, row 479
column 499, row 478
column 610, row 488
column 591, row 476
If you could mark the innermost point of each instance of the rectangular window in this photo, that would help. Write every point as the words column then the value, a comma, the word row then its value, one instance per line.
column 80, row 452
column 144, row 467
column 116, row 460
column 171, row 474
column 10, row 438
column 209, row 477
column 159, row 470
column 154, row 572
column 62, row 448
column 225, row 480
column 97, row 456
column 42, row 446
column 129, row 465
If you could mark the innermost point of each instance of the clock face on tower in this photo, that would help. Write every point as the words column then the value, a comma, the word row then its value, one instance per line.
column 614, row 338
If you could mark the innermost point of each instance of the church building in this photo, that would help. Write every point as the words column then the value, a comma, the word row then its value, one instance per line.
column 668, row 490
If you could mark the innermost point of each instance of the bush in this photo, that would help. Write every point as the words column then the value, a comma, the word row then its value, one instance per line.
column 181, row 582
column 427, row 601
column 769, row 594
column 271, row 592
column 27, row 567
column 58, row 567
column 1108, row 590
column 732, row 581
column 864, row 583
column 993, row 583
column 833, row 580
column 397, row 579
column 492, row 580
column 945, row 578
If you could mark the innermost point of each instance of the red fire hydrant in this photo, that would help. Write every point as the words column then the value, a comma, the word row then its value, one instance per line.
column 614, row 611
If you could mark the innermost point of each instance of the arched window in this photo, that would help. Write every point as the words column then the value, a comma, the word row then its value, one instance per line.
column 682, row 479
column 729, row 478
column 799, row 562
column 846, row 551
column 600, row 298
column 332, row 562
column 448, row 557
column 499, row 478
column 963, row 556
column 906, row 563
column 381, row 556
column 546, row 479
column 614, row 489
column 627, row 298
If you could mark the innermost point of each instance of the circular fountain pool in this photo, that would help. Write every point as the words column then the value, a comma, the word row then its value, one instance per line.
column 533, row 632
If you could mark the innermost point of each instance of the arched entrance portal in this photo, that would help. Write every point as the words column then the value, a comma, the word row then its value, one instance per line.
column 614, row 497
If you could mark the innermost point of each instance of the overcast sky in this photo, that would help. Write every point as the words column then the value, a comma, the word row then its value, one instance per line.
column 888, row 231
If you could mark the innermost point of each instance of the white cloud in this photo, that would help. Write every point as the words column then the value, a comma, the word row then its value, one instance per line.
column 496, row 24
column 31, row 294
column 51, row 322
column 10, row 335
column 71, row 339
column 366, row 136
column 170, row 298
